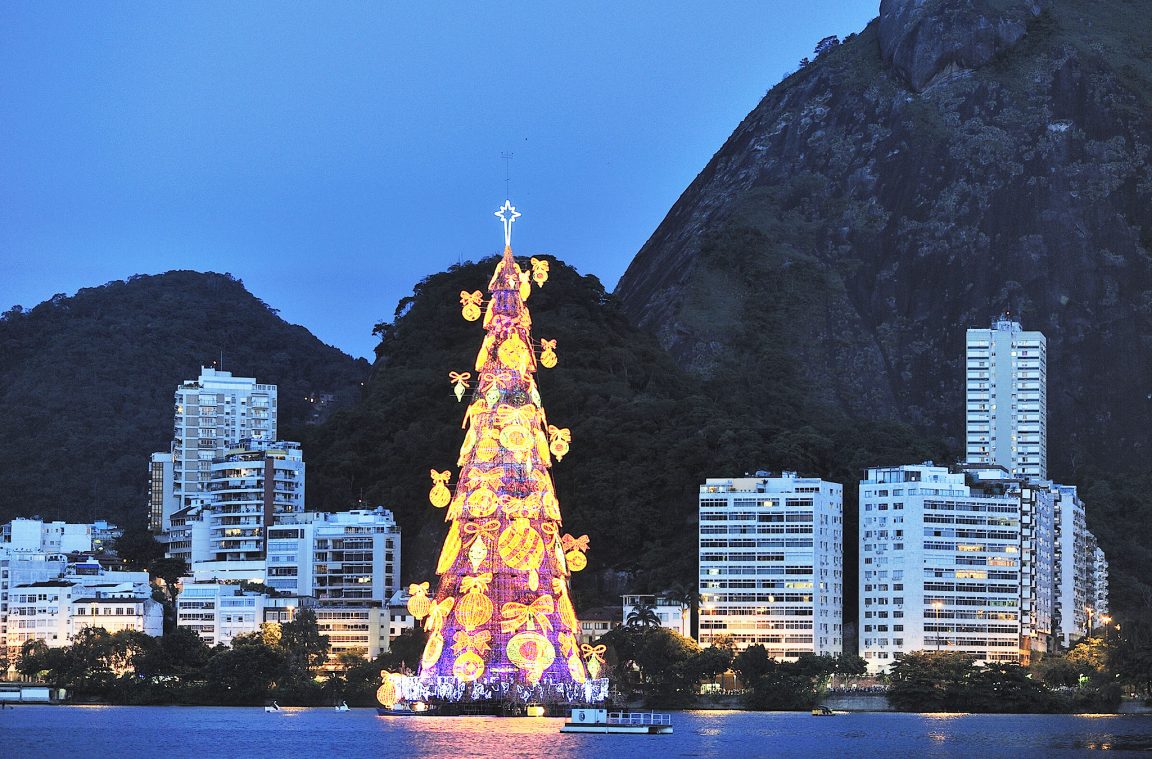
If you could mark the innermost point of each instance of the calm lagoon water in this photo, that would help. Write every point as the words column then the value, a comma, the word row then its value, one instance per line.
column 91, row 732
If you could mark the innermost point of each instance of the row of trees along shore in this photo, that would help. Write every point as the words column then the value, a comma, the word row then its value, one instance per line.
column 289, row 662
column 286, row 661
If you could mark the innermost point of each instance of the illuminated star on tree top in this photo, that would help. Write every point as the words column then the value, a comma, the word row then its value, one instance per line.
column 508, row 214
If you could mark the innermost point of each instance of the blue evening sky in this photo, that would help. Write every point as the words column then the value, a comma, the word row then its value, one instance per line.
column 332, row 154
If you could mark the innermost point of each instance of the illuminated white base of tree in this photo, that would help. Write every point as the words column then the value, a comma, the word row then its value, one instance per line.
column 544, row 692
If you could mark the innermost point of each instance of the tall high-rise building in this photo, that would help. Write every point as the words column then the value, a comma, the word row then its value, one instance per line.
column 1081, row 570
column 1007, row 401
column 771, row 563
column 212, row 414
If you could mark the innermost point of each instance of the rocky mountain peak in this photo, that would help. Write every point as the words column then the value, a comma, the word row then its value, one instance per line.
column 924, row 40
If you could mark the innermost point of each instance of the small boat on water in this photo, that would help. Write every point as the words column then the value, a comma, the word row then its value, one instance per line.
column 414, row 709
column 823, row 711
column 628, row 723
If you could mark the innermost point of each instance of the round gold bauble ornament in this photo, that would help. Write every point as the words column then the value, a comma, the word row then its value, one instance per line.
column 474, row 610
column 516, row 437
column 481, row 502
column 531, row 651
column 440, row 495
column 559, row 448
column 520, row 545
column 576, row 560
column 488, row 447
column 468, row 667
column 513, row 353
column 386, row 694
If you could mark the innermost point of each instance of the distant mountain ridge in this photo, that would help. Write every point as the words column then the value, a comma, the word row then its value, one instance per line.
column 86, row 384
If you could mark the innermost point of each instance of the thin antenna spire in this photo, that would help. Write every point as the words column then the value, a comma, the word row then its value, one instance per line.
column 507, row 173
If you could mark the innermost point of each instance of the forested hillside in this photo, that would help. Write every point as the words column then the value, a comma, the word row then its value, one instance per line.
column 86, row 384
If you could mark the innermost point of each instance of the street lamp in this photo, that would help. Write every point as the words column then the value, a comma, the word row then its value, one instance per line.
column 938, row 605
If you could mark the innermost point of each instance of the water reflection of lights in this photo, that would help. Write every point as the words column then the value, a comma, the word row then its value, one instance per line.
column 487, row 726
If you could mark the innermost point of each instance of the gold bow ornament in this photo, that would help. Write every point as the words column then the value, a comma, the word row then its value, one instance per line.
column 439, row 495
column 574, row 552
column 529, row 616
column 548, row 353
column 438, row 613
column 460, row 380
column 560, row 438
column 594, row 655
column 466, row 641
column 470, row 304
column 539, row 271
column 478, row 478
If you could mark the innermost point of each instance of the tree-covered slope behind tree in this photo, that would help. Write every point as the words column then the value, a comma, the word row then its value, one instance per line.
column 645, row 432
column 86, row 384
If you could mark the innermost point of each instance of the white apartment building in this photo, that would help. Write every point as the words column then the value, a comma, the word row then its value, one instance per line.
column 86, row 595
column 1098, row 598
column 671, row 614
column 251, row 487
column 347, row 557
column 18, row 569
column 1007, row 401
column 361, row 630
column 1081, row 570
column 212, row 414
column 219, row 612
column 956, row 560
column 161, row 492
column 771, row 563
column 38, row 536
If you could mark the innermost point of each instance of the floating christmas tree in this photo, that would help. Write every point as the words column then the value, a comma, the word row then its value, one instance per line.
column 501, row 624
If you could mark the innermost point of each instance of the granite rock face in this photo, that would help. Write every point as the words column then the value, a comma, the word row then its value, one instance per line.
column 924, row 40
column 853, row 226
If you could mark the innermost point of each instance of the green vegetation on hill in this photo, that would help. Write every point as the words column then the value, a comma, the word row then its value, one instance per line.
column 645, row 433
column 86, row 384
column 836, row 248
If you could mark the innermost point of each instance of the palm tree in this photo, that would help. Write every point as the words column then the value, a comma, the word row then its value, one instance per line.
column 687, row 595
column 643, row 615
